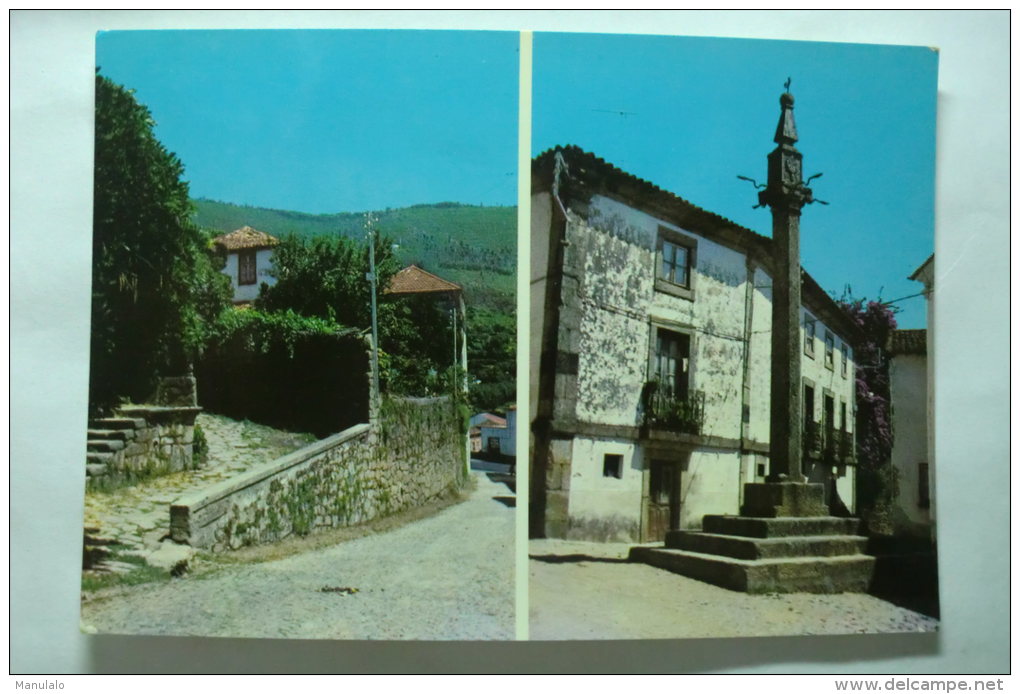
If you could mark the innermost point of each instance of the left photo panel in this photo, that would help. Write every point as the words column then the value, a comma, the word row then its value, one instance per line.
column 302, row 415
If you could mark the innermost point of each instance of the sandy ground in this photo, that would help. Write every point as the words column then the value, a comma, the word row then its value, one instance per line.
column 582, row 590
column 449, row 576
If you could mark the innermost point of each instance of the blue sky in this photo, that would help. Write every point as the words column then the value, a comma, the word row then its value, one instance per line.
column 330, row 121
column 696, row 112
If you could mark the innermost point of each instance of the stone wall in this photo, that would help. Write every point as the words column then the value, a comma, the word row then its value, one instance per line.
column 411, row 454
column 141, row 441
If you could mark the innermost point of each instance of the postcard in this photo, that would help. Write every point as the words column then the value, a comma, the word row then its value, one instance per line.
column 302, row 376
column 731, row 270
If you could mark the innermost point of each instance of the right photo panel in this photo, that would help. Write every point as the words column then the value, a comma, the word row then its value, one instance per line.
column 732, row 277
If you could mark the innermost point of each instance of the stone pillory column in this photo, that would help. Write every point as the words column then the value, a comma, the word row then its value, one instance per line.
column 786, row 492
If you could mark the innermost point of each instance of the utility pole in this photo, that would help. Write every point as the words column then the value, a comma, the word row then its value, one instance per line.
column 373, row 279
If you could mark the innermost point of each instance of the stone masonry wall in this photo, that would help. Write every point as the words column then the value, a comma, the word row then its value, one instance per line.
column 412, row 455
column 141, row 441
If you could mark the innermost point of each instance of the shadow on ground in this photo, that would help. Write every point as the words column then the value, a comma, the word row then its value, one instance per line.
column 576, row 559
column 503, row 478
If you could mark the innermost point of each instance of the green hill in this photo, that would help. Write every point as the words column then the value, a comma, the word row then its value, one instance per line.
column 473, row 246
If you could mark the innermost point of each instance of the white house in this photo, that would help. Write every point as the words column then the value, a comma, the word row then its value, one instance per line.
column 651, row 323
column 249, row 254
column 912, row 399
column 908, row 390
column 500, row 438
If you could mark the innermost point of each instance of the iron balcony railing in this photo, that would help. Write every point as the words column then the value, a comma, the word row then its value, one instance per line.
column 664, row 410
column 812, row 444
column 831, row 445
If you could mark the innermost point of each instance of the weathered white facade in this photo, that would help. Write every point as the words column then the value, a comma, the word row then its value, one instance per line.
column 249, row 261
column 651, row 325
column 249, row 291
column 908, row 391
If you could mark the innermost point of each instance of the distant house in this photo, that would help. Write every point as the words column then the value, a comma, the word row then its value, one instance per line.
column 486, row 419
column 500, row 438
column 249, row 254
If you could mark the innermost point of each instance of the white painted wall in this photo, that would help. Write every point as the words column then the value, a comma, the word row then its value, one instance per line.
column 263, row 264
column 614, row 245
column 597, row 500
column 908, row 386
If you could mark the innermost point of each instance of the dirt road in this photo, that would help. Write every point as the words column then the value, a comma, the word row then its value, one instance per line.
column 581, row 590
column 449, row 576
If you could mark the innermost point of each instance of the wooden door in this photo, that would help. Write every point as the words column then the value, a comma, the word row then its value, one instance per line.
column 663, row 499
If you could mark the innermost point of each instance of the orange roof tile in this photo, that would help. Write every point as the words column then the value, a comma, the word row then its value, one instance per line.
column 245, row 238
column 414, row 280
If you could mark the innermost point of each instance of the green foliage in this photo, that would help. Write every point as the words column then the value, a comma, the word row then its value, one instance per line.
column 492, row 358
column 153, row 285
column 321, row 269
column 416, row 337
column 258, row 332
column 199, row 447
column 325, row 277
column 877, row 482
column 300, row 373
column 476, row 247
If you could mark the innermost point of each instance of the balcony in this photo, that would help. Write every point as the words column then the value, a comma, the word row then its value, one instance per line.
column 663, row 410
column 832, row 446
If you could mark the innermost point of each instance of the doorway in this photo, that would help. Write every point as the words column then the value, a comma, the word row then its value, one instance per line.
column 663, row 507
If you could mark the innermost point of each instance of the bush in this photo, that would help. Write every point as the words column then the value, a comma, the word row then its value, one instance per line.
column 286, row 371
column 199, row 448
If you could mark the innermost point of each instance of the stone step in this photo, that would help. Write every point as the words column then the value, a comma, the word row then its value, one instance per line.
column 95, row 470
column 118, row 434
column 105, row 445
column 118, row 423
column 97, row 458
column 845, row 574
column 740, row 547
column 746, row 526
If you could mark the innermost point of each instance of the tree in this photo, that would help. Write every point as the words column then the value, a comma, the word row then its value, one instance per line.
column 153, row 285
column 876, row 478
column 324, row 277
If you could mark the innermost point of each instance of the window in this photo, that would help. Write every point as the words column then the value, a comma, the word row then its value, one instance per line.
column 923, row 486
column 675, row 257
column 809, row 336
column 675, row 264
column 612, row 465
column 842, row 349
column 842, row 415
column 672, row 363
column 246, row 267
column 494, row 444
column 830, row 349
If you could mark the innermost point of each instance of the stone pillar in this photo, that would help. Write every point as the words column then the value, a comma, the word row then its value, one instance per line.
column 785, row 194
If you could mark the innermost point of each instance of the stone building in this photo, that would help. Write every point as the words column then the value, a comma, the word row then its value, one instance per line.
column 650, row 328
column 249, row 255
